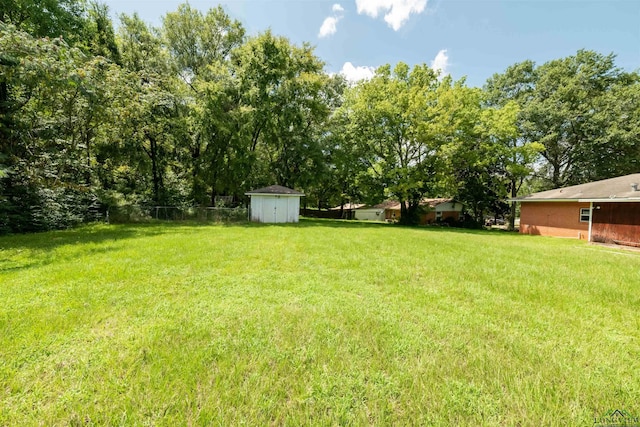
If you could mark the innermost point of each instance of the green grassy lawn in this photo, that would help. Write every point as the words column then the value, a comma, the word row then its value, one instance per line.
column 320, row 323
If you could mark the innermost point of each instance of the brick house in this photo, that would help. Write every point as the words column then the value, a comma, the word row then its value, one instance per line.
column 435, row 210
column 606, row 211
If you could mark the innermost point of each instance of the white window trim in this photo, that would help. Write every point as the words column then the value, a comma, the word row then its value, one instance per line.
column 587, row 214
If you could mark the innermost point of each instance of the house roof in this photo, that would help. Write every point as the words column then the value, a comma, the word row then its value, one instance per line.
column 432, row 203
column 613, row 189
column 348, row 206
column 387, row 204
column 395, row 205
column 274, row 189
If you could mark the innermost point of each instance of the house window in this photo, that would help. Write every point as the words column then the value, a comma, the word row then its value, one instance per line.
column 585, row 214
column 438, row 215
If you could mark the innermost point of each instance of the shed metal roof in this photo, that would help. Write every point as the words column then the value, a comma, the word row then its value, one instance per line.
column 275, row 190
column 622, row 188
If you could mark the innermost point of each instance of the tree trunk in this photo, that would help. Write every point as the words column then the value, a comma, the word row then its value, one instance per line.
column 197, row 192
column 155, row 169
column 409, row 213
column 512, row 213
column 214, row 184
column 5, row 121
column 556, row 173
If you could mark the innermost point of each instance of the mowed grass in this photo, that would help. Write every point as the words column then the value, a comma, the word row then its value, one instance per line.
column 320, row 323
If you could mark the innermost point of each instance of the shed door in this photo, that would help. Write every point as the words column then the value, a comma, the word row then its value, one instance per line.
column 268, row 209
column 281, row 209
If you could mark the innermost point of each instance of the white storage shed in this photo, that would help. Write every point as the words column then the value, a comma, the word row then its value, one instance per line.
column 274, row 204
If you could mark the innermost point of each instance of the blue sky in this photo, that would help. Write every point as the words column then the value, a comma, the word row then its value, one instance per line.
column 472, row 38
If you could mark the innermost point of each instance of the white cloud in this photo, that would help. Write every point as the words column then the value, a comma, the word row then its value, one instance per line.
column 441, row 63
column 397, row 12
column 328, row 27
column 330, row 24
column 354, row 74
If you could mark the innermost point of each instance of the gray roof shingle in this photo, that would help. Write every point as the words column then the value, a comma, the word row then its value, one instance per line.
column 275, row 189
column 620, row 188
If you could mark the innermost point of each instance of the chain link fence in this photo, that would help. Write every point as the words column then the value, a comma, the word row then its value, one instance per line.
column 139, row 213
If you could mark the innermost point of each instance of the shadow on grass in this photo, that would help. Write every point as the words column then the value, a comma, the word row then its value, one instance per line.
column 479, row 232
column 96, row 233
column 339, row 223
column 23, row 251
column 92, row 233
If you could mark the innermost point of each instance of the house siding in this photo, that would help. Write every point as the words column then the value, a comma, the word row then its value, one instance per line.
column 616, row 223
column 370, row 214
column 448, row 209
column 430, row 217
column 425, row 218
column 392, row 214
column 560, row 219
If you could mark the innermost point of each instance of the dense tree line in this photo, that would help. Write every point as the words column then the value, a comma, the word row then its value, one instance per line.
column 92, row 118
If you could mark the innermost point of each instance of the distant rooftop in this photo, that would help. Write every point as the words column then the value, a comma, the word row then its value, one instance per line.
column 348, row 206
column 395, row 205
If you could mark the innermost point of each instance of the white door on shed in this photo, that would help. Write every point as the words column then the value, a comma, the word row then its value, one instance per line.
column 268, row 209
column 281, row 209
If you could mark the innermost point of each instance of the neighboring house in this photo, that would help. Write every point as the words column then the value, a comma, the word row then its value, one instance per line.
column 437, row 210
column 606, row 211
column 346, row 211
column 372, row 213
column 441, row 210
column 274, row 204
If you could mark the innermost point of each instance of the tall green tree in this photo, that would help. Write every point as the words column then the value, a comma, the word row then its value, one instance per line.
column 46, row 18
column 99, row 33
column 198, row 40
column 154, row 116
column 55, row 105
column 576, row 113
column 399, row 127
column 285, row 96
column 200, row 46
column 478, row 153
column 338, row 182
column 515, row 87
